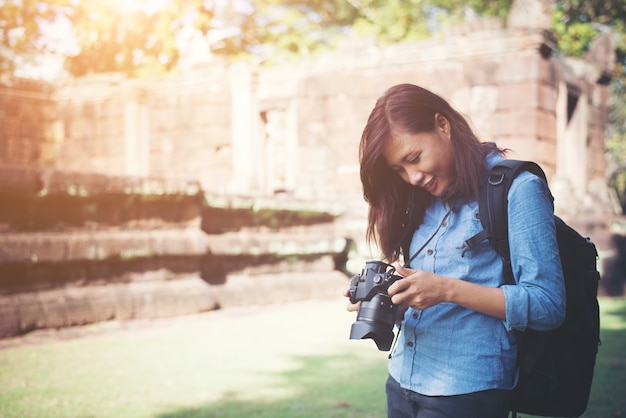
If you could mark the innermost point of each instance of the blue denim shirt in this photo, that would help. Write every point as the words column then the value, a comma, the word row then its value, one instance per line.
column 449, row 350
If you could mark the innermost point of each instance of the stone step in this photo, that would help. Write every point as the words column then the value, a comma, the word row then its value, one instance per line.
column 128, row 244
column 99, row 245
column 79, row 305
column 43, row 181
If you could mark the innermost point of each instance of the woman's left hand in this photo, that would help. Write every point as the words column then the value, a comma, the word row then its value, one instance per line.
column 418, row 289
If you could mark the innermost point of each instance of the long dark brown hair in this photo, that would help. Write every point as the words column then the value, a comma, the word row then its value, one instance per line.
column 411, row 109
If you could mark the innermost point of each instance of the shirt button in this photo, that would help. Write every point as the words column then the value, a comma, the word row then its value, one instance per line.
column 429, row 252
column 409, row 344
column 477, row 215
column 444, row 223
column 415, row 315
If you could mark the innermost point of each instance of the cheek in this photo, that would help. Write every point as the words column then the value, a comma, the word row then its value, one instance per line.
column 405, row 177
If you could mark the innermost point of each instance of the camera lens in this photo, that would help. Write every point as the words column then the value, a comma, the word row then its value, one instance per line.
column 375, row 320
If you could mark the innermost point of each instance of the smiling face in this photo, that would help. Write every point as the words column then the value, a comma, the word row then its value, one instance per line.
column 424, row 159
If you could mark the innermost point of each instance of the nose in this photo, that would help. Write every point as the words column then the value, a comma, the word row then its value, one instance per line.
column 414, row 177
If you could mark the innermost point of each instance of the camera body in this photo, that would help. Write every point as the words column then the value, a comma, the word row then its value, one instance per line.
column 377, row 314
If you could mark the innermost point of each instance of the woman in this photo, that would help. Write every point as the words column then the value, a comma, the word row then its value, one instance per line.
column 456, row 351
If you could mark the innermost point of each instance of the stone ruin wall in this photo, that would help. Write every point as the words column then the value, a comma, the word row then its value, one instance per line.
column 292, row 132
column 27, row 120
column 174, row 127
column 295, row 129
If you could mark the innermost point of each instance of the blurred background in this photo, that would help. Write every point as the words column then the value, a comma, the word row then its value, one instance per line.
column 164, row 158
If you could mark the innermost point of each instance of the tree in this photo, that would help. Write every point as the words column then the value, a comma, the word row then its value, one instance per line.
column 576, row 24
column 131, row 39
column 21, row 29
column 272, row 28
column 141, row 36
column 109, row 35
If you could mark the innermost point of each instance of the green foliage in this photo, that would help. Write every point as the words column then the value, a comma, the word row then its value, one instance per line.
column 574, row 38
column 141, row 36
column 267, row 28
column 21, row 35
column 138, row 39
column 395, row 21
column 616, row 147
column 132, row 39
column 576, row 23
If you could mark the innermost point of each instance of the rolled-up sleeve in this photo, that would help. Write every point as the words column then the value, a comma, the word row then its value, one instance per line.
column 538, row 301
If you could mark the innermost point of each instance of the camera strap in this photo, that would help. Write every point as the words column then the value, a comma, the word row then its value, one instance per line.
column 407, row 263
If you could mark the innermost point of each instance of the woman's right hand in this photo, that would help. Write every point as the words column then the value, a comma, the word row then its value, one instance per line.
column 351, row 307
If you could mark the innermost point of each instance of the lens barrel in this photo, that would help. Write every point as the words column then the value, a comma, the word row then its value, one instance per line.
column 375, row 320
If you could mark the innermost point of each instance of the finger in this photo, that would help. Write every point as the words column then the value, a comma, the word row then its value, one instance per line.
column 352, row 307
column 399, row 299
column 396, row 299
column 405, row 271
column 398, row 286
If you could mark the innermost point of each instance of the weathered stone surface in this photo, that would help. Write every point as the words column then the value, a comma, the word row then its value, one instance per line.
column 82, row 305
column 278, row 244
column 113, row 190
column 100, row 245
column 246, row 290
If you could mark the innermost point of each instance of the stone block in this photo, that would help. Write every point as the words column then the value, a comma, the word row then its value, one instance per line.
column 479, row 72
column 79, row 311
column 19, row 178
column 102, row 303
column 519, row 69
column 546, row 126
column 521, row 147
column 123, row 297
column 10, row 323
column 142, row 297
column 30, row 311
column 55, row 308
column 547, row 98
column 518, row 123
column 512, row 97
column 267, row 289
column 242, row 243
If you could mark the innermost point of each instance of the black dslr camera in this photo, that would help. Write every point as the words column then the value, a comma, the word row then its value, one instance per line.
column 377, row 314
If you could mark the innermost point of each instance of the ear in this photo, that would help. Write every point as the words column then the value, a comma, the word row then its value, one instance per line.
column 442, row 124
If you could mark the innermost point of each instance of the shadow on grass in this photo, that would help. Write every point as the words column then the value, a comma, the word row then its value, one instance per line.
column 607, row 391
column 331, row 386
column 619, row 310
column 349, row 386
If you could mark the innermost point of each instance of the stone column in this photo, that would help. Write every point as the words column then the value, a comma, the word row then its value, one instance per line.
column 246, row 150
column 136, row 133
column 571, row 163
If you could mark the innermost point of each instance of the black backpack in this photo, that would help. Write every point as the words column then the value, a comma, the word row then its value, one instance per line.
column 556, row 367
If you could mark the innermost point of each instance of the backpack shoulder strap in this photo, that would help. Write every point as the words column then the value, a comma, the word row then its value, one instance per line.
column 492, row 207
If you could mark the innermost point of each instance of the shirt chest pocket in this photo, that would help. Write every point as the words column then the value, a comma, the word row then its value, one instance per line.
column 471, row 240
column 445, row 251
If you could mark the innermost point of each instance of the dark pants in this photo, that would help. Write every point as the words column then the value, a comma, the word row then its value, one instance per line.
column 403, row 403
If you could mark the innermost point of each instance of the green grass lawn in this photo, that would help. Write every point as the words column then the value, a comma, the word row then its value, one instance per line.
column 290, row 360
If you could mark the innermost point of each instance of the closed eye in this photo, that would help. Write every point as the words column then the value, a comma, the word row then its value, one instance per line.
column 413, row 160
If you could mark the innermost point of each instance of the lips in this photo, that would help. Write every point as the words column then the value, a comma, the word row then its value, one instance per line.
column 429, row 184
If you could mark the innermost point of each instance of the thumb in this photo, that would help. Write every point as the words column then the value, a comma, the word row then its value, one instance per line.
column 404, row 271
